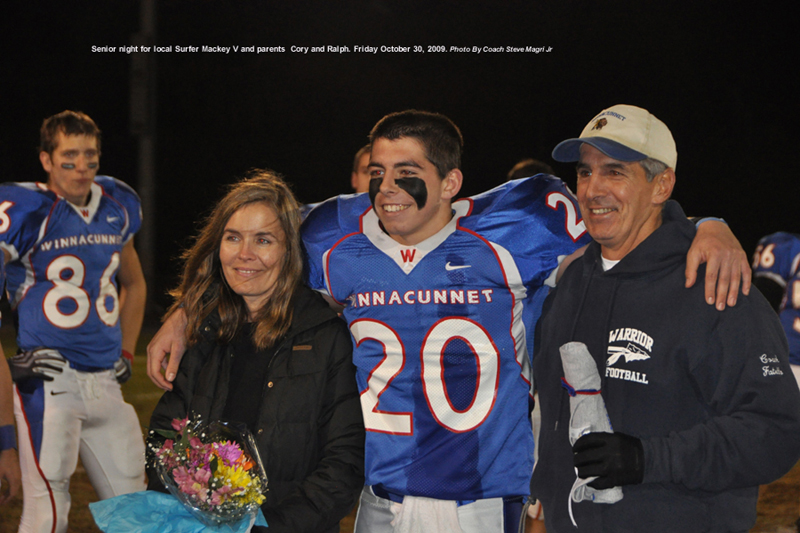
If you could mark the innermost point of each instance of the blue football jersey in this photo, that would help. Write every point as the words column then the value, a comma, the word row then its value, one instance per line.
column 61, row 277
column 777, row 257
column 790, row 317
column 443, row 332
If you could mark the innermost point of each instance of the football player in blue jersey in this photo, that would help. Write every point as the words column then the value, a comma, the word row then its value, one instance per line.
column 76, row 286
column 776, row 273
column 790, row 319
column 439, row 295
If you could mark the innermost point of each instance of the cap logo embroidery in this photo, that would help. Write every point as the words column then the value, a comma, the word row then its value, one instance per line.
column 599, row 124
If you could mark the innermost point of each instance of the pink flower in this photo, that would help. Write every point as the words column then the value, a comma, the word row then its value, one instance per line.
column 218, row 496
column 190, row 488
column 180, row 473
column 189, row 482
column 202, row 475
column 178, row 424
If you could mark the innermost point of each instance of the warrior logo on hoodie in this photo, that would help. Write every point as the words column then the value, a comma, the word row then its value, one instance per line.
column 631, row 353
column 636, row 348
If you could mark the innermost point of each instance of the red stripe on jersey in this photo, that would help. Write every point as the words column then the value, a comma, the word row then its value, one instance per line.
column 328, row 263
column 36, row 458
column 513, row 298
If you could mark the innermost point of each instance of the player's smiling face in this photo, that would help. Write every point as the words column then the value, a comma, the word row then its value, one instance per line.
column 72, row 166
column 410, row 198
column 251, row 253
column 619, row 206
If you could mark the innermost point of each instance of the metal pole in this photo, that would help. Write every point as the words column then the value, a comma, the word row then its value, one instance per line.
column 143, row 126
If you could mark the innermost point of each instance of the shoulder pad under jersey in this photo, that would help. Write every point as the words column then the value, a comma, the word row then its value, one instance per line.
column 325, row 225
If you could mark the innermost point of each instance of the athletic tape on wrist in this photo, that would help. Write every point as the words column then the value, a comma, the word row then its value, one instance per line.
column 572, row 392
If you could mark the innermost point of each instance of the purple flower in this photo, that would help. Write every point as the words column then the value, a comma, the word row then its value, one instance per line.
column 228, row 451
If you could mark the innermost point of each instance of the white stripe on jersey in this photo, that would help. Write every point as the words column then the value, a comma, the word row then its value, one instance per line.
column 518, row 290
column 30, row 277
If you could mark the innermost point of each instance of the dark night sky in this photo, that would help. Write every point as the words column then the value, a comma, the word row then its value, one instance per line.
column 722, row 76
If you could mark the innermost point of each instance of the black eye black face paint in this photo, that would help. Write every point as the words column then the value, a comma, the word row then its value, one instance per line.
column 415, row 187
column 71, row 166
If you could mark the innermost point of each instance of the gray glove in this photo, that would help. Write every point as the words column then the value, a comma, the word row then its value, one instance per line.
column 123, row 368
column 38, row 363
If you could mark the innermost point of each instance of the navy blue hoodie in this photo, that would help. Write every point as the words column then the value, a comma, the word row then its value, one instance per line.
column 709, row 393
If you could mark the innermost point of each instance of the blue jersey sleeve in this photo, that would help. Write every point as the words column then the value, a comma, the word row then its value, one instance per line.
column 127, row 197
column 23, row 208
column 536, row 219
column 790, row 318
column 326, row 224
column 777, row 257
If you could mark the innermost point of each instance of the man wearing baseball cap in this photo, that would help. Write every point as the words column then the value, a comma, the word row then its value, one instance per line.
column 702, row 405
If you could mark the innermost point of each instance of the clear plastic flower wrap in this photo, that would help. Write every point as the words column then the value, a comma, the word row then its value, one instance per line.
column 214, row 469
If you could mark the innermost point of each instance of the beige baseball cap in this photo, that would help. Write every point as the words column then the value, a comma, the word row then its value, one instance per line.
column 625, row 133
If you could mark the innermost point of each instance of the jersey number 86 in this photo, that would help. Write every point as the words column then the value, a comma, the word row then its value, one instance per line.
column 67, row 272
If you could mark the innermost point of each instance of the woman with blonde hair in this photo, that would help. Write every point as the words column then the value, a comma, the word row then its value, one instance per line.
column 266, row 351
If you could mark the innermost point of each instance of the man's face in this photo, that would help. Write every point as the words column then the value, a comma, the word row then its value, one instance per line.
column 360, row 177
column 72, row 166
column 619, row 206
column 410, row 199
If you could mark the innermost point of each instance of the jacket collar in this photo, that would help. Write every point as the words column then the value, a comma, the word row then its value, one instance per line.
column 309, row 310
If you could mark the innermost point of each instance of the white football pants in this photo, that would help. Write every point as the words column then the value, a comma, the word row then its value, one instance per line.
column 78, row 413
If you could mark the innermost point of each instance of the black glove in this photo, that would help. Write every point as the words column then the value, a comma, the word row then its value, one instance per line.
column 36, row 363
column 123, row 368
column 615, row 458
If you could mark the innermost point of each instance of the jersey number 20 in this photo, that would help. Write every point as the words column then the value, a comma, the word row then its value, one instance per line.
column 436, row 340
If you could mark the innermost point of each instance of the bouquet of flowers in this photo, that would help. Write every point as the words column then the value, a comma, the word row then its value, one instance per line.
column 213, row 469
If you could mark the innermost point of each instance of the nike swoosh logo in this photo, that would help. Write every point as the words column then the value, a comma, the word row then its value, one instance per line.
column 54, row 393
column 112, row 219
column 448, row 266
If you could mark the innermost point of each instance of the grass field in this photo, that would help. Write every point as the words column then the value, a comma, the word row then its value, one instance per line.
column 777, row 509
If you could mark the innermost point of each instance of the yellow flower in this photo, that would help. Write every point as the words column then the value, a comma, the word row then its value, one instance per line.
column 238, row 478
column 235, row 477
